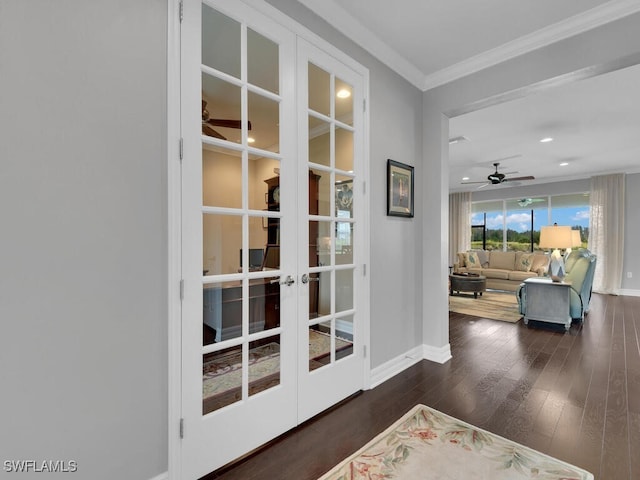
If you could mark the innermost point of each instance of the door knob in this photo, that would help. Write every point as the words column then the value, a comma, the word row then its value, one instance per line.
column 305, row 278
column 288, row 281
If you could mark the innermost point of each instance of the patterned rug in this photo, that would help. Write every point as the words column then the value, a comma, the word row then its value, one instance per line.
column 495, row 305
column 426, row 444
column 222, row 372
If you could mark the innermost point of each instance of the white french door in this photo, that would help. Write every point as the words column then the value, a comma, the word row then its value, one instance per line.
column 273, row 232
column 331, row 166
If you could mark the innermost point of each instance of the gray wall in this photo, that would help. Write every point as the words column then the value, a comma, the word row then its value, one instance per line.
column 396, row 133
column 83, row 321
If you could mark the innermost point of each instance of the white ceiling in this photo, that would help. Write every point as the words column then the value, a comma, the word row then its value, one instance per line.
column 594, row 122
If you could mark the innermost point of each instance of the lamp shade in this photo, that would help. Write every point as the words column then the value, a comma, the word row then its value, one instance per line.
column 556, row 236
column 577, row 241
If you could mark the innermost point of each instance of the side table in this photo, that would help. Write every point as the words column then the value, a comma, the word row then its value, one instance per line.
column 547, row 301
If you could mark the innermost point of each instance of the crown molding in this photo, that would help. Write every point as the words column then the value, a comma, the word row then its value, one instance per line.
column 349, row 26
column 593, row 18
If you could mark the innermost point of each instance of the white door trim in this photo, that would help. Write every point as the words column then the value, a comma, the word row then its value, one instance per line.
column 174, row 243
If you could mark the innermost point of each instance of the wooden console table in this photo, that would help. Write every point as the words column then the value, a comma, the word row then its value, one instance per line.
column 547, row 301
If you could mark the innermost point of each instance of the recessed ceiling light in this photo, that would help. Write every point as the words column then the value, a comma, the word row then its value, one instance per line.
column 546, row 140
column 465, row 178
column 251, row 139
column 343, row 93
column 564, row 164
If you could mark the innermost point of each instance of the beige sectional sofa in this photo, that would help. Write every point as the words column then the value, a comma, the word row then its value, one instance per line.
column 504, row 270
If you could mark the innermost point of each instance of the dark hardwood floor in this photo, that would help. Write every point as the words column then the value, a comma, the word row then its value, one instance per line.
column 574, row 395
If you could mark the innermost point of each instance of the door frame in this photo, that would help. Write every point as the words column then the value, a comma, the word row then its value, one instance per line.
column 174, row 216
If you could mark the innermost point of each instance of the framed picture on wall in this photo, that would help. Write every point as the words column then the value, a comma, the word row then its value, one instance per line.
column 399, row 189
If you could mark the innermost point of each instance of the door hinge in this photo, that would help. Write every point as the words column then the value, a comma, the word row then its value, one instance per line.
column 182, row 289
column 364, row 351
column 364, row 188
column 364, row 269
column 364, row 104
column 182, row 428
column 181, row 11
column 181, row 148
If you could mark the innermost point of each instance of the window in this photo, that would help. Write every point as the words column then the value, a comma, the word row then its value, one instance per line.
column 572, row 210
column 514, row 224
column 487, row 219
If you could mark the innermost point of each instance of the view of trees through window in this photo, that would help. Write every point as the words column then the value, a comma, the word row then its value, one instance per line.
column 514, row 225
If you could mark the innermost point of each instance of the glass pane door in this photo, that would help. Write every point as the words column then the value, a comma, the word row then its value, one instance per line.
column 330, row 364
column 239, row 237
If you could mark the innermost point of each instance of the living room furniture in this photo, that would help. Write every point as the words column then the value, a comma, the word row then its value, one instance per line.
column 557, row 237
column 475, row 284
column 580, row 266
column 547, row 301
column 503, row 270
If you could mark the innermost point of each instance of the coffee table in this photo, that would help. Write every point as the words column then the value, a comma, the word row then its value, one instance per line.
column 475, row 284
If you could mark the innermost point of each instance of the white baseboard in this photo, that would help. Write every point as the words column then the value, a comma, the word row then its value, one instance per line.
column 630, row 293
column 437, row 354
column 162, row 476
column 396, row 365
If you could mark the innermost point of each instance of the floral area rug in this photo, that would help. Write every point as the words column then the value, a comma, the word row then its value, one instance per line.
column 494, row 305
column 427, row 444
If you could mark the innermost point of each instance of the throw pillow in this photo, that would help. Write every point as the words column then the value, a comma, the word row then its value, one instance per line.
column 539, row 263
column 461, row 260
column 523, row 262
column 471, row 259
column 483, row 256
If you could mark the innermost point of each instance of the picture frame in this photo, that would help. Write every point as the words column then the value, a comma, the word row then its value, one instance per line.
column 399, row 189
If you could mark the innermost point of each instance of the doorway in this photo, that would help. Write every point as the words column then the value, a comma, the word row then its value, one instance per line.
column 273, row 232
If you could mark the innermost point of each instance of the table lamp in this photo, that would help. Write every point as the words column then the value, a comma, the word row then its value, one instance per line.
column 556, row 237
column 576, row 242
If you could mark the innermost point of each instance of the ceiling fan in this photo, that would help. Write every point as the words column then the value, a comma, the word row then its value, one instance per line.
column 217, row 122
column 523, row 202
column 496, row 178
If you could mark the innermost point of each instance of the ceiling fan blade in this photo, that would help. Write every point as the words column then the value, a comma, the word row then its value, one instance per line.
column 211, row 132
column 482, row 186
column 222, row 122
column 468, row 183
column 514, row 179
